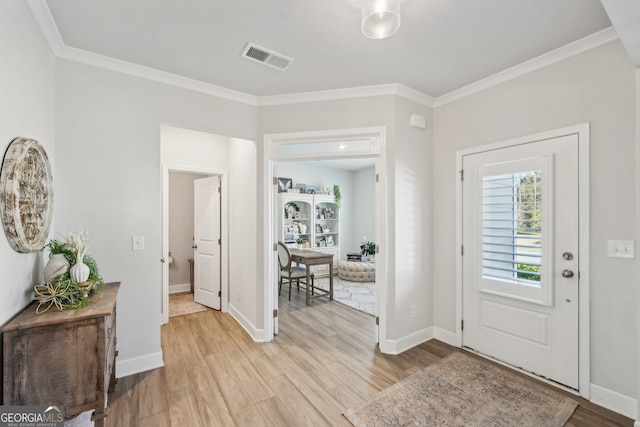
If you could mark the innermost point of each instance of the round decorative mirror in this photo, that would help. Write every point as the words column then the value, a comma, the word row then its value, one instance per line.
column 26, row 195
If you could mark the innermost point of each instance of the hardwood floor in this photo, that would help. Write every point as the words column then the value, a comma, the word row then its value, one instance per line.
column 323, row 361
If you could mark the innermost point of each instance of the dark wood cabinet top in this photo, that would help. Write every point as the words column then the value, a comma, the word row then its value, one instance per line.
column 100, row 304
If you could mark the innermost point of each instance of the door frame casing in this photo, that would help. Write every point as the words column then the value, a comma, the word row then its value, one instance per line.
column 269, row 274
column 224, row 234
column 583, row 133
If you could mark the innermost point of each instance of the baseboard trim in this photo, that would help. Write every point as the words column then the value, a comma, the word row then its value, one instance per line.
column 615, row 401
column 405, row 343
column 183, row 287
column 255, row 333
column 139, row 364
column 445, row 336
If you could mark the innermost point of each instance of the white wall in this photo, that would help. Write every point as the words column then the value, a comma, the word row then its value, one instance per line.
column 109, row 180
column 596, row 87
column 364, row 208
column 413, row 219
column 243, row 223
column 27, row 110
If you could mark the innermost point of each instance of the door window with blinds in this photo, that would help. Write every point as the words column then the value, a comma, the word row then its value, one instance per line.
column 515, row 203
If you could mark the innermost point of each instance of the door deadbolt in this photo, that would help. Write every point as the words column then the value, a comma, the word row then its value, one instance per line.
column 194, row 246
column 567, row 256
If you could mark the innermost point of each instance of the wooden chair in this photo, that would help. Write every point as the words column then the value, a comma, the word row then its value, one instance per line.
column 289, row 272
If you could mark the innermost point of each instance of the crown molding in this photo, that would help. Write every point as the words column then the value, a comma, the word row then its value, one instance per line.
column 48, row 27
column 43, row 17
column 152, row 74
column 579, row 46
column 347, row 93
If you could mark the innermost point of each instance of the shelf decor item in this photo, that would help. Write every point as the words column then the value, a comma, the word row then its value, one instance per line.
column 78, row 243
column 290, row 210
column 26, row 195
column 68, row 288
column 284, row 184
column 56, row 267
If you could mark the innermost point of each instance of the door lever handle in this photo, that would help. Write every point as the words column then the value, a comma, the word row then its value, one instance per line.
column 567, row 273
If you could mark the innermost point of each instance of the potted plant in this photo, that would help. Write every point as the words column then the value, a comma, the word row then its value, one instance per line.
column 336, row 194
column 61, row 289
column 368, row 249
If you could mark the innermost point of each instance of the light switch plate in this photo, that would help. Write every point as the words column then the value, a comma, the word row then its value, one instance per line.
column 621, row 249
column 137, row 243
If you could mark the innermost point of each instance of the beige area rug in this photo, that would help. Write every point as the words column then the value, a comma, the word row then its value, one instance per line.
column 182, row 303
column 461, row 390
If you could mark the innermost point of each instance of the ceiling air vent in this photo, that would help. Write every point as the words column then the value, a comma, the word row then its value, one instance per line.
column 266, row 57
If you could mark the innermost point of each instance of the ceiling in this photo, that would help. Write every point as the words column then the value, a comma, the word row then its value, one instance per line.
column 442, row 45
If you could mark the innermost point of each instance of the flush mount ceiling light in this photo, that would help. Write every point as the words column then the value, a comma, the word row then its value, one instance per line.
column 380, row 18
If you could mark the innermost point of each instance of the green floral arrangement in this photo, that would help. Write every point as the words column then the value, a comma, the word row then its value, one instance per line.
column 61, row 289
column 368, row 248
column 337, row 194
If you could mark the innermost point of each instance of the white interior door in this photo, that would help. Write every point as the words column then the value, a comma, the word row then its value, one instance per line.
column 520, row 258
column 206, row 245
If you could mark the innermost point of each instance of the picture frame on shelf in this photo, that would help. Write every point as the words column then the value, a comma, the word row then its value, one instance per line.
column 302, row 188
column 284, row 184
column 310, row 189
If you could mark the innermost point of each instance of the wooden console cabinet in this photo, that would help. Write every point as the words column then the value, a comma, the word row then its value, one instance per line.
column 62, row 357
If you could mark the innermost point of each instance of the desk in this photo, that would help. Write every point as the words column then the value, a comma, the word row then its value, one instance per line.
column 310, row 258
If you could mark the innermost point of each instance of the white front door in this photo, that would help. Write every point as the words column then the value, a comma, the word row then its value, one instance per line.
column 520, row 258
column 206, row 241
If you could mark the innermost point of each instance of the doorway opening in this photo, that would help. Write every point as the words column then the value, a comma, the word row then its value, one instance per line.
column 322, row 223
column 180, row 259
column 186, row 151
column 317, row 146
column 179, row 239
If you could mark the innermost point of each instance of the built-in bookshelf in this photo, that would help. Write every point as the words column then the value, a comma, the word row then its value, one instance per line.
column 311, row 221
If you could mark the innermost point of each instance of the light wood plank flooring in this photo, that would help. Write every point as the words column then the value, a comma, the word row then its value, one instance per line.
column 323, row 361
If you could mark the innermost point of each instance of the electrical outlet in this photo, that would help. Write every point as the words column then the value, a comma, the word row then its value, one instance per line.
column 414, row 311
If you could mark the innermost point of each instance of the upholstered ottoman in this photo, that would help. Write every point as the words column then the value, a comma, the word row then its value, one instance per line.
column 355, row 271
